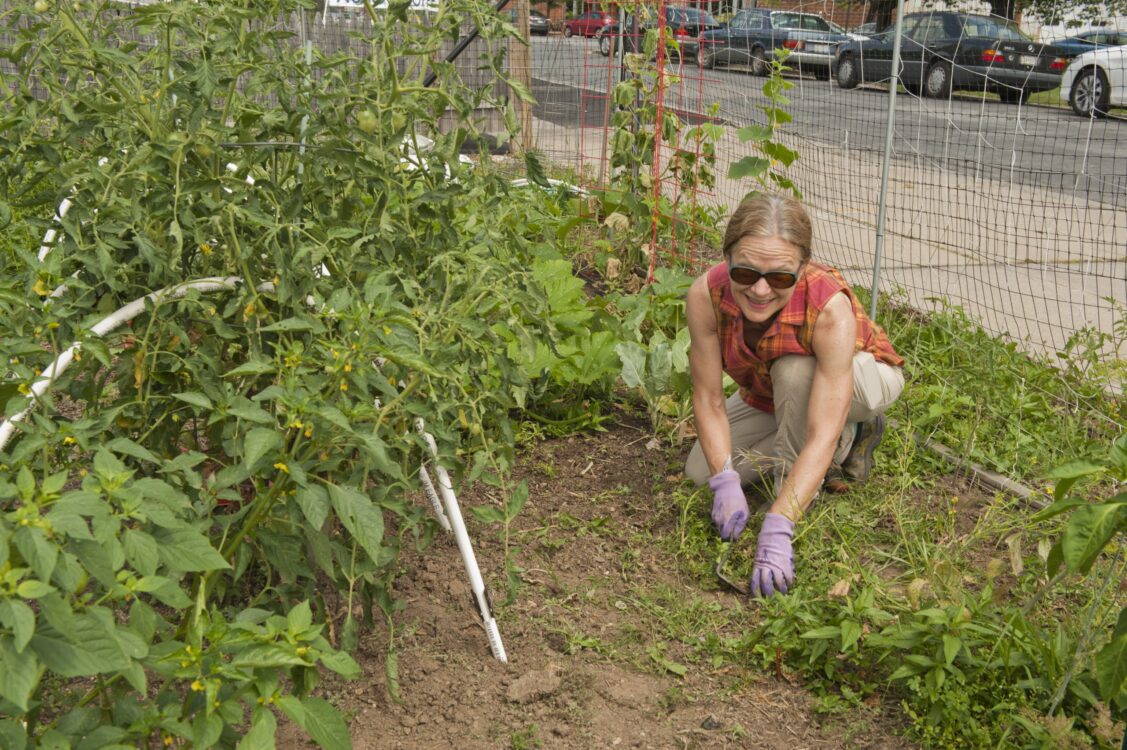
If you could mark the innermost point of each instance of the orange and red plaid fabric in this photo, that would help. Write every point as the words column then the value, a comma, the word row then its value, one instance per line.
column 791, row 332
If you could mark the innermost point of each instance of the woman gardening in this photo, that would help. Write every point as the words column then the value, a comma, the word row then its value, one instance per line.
column 815, row 376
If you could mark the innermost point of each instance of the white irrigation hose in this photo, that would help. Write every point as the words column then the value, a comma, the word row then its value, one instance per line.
column 525, row 182
column 462, row 538
column 107, row 324
column 450, row 520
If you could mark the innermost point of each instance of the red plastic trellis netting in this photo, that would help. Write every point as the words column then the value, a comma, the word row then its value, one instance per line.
column 672, row 78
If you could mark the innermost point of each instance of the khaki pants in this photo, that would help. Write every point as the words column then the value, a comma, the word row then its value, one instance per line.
column 764, row 445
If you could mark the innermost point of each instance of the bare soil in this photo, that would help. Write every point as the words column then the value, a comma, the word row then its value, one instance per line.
column 582, row 668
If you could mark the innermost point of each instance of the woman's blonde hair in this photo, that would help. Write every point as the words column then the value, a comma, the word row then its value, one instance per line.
column 764, row 215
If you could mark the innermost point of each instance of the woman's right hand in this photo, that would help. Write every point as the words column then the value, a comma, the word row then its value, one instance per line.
column 729, row 506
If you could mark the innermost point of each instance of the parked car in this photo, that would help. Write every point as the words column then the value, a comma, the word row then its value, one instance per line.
column 1088, row 41
column 941, row 52
column 685, row 24
column 865, row 29
column 755, row 33
column 537, row 23
column 1096, row 81
column 587, row 24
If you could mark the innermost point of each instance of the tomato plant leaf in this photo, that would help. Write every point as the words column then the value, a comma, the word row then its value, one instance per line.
column 257, row 443
column 18, row 673
column 261, row 734
column 319, row 719
column 195, row 399
column 362, row 519
column 314, row 503
column 20, row 619
column 187, row 550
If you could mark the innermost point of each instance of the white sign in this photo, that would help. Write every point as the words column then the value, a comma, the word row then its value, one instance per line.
column 419, row 6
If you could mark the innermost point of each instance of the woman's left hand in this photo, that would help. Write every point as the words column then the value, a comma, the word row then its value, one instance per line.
column 774, row 557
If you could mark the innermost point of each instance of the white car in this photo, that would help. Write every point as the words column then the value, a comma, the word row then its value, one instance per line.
column 1096, row 81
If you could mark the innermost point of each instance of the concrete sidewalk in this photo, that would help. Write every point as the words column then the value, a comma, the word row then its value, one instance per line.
column 1026, row 263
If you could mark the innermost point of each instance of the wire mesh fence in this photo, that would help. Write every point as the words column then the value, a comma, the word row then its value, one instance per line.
column 1000, row 199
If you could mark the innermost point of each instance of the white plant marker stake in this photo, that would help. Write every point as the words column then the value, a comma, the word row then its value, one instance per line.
column 454, row 513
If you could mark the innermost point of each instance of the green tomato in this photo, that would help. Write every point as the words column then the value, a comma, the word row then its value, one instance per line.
column 42, row 6
column 367, row 120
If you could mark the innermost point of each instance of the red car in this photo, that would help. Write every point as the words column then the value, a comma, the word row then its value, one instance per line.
column 588, row 24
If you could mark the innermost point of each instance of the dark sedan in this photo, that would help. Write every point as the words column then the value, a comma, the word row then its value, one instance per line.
column 943, row 52
column 755, row 35
column 537, row 23
column 685, row 24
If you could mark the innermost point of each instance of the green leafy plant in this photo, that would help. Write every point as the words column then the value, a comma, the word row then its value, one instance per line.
column 1093, row 528
column 651, row 147
column 241, row 459
column 768, row 168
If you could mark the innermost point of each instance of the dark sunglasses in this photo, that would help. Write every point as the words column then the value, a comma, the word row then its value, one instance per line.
column 749, row 276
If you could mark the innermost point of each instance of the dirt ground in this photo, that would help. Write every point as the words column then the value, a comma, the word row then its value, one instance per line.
column 576, row 676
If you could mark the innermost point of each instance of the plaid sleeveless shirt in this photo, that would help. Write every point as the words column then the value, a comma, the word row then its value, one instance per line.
column 791, row 332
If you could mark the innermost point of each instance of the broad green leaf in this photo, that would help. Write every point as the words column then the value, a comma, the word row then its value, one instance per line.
column 206, row 729
column 952, row 645
column 54, row 484
column 141, row 551
column 362, row 519
column 299, row 618
column 660, row 365
column 251, row 412
column 187, row 550
column 195, row 399
column 253, row 367
column 33, row 589
column 259, row 442
column 314, row 503
column 40, row 553
column 319, row 719
column 262, row 730
column 488, row 513
column 755, row 133
column 823, row 633
column 749, row 166
column 266, row 656
column 13, row 736
column 109, row 466
column 633, row 357
column 1058, row 507
column 518, row 499
column 19, row 673
column 127, row 447
column 1089, row 530
column 850, row 633
column 1068, row 474
column 1111, row 668
column 20, row 619
column 780, row 153
column 342, row 664
column 1118, row 455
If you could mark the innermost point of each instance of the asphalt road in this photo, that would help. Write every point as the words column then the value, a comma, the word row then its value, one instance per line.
column 1046, row 146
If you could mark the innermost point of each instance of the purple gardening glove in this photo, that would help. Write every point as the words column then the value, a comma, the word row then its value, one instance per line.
column 729, row 506
column 774, row 557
